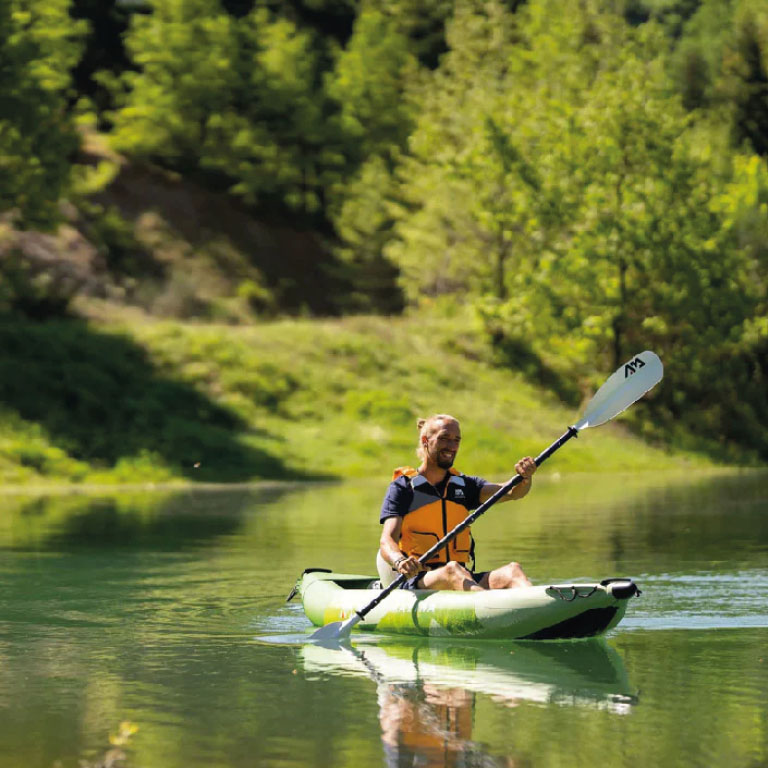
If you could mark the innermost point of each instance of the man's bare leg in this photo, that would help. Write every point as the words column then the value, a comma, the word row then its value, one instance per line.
column 507, row 577
column 450, row 576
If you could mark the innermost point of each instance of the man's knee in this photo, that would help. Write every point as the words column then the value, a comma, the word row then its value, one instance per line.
column 453, row 575
column 456, row 572
column 516, row 575
column 509, row 576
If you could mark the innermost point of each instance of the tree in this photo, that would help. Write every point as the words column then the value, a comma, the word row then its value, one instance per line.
column 238, row 101
column 184, row 53
column 363, row 226
column 745, row 76
column 103, row 50
column 423, row 22
column 275, row 138
column 370, row 82
column 555, row 178
column 698, row 57
column 477, row 191
column 39, row 45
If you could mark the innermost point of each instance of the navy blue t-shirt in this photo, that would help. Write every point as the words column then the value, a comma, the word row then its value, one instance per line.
column 399, row 495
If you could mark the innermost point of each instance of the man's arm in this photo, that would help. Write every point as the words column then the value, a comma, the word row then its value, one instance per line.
column 526, row 468
column 390, row 535
column 390, row 550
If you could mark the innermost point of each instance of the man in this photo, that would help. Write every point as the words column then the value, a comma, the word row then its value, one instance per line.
column 422, row 505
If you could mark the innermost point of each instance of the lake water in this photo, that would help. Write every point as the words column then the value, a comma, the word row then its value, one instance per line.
column 167, row 611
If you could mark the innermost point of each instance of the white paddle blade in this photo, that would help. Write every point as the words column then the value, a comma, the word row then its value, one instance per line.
column 630, row 382
column 335, row 631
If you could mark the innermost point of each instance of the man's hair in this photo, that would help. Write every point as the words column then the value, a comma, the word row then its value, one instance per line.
column 428, row 427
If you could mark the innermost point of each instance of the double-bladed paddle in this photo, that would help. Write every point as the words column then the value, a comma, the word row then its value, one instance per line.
column 624, row 387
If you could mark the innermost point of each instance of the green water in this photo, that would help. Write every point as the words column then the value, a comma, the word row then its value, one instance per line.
column 154, row 609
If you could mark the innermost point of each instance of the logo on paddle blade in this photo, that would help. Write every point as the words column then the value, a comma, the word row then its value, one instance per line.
column 633, row 367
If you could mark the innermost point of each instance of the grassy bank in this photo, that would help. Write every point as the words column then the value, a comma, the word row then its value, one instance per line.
column 119, row 399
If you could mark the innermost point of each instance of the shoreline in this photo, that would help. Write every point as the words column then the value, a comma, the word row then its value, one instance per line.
column 109, row 489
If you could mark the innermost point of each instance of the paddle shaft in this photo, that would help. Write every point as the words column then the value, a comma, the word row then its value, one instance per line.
column 484, row 507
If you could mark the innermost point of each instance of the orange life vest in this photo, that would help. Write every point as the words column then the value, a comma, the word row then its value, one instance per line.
column 431, row 516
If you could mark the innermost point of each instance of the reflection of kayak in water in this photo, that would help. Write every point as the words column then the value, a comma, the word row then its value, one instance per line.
column 546, row 612
column 587, row 674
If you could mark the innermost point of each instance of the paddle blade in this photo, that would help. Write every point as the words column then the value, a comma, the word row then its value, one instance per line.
column 336, row 631
column 627, row 385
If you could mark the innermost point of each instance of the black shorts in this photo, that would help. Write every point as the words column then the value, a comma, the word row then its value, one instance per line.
column 411, row 583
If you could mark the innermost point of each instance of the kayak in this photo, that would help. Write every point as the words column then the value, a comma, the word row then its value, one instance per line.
column 545, row 612
column 587, row 674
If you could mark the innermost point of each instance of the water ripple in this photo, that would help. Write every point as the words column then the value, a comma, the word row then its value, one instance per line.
column 703, row 600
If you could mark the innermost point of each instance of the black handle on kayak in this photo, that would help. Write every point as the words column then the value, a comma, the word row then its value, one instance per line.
column 454, row 532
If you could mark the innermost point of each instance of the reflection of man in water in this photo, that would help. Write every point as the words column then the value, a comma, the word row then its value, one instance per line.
column 430, row 727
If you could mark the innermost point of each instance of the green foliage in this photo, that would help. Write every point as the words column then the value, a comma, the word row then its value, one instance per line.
column 612, row 240
column 98, row 405
column 28, row 454
column 379, row 406
column 291, row 399
column 364, row 225
column 233, row 99
column 278, row 143
column 103, row 50
column 421, row 21
column 697, row 62
column 746, row 75
column 259, row 298
column 721, row 65
column 31, row 289
column 183, row 51
column 369, row 82
column 590, row 183
column 108, row 229
column 38, row 47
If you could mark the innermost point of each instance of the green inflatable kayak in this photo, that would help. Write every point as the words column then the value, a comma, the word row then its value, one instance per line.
column 545, row 612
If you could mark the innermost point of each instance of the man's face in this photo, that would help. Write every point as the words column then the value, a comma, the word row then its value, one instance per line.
column 443, row 445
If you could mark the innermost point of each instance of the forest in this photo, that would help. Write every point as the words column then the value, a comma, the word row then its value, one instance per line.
column 586, row 178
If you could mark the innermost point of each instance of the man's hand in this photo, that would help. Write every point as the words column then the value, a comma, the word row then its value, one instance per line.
column 526, row 467
column 410, row 566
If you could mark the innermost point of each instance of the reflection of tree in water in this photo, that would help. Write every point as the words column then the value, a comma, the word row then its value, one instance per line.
column 431, row 727
column 152, row 521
